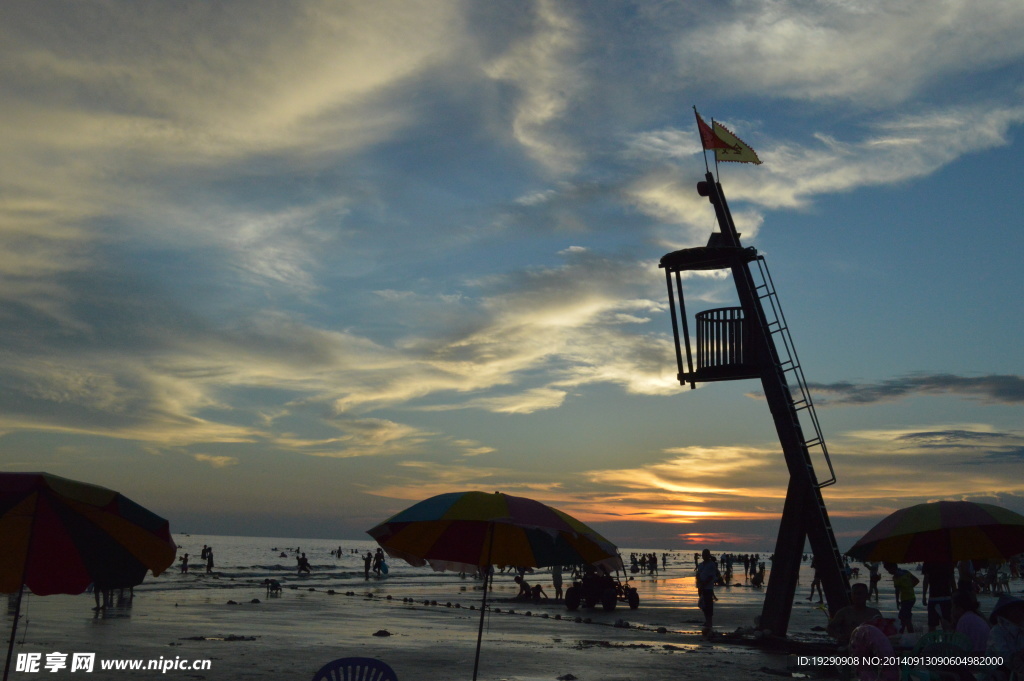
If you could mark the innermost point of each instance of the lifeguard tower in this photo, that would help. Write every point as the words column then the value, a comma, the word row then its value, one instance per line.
column 752, row 341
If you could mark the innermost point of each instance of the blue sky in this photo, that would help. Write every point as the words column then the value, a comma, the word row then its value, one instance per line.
column 284, row 269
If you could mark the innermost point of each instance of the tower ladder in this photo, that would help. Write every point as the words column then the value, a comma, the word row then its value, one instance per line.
column 789, row 365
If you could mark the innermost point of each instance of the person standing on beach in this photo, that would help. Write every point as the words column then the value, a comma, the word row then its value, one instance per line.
column 875, row 578
column 707, row 576
column 367, row 562
column 904, row 582
column 937, row 592
column 965, row 568
column 184, row 564
column 816, row 581
column 209, row 560
column 556, row 581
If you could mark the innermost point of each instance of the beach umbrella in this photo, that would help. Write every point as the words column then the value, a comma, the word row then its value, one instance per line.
column 471, row 531
column 58, row 536
column 945, row 531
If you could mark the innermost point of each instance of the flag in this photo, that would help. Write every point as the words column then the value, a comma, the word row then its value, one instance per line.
column 732, row 148
column 708, row 138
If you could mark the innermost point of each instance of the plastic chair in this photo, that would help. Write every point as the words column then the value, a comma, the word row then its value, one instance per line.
column 356, row 669
column 941, row 643
column 937, row 643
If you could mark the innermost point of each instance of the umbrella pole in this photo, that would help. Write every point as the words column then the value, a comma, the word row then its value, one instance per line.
column 17, row 606
column 14, row 633
column 483, row 604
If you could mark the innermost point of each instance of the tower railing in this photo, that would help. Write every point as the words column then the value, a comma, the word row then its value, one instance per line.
column 721, row 338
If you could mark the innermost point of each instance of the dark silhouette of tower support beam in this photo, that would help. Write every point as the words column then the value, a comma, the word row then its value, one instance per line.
column 740, row 343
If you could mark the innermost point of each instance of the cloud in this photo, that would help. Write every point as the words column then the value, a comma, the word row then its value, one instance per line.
column 990, row 389
column 175, row 378
column 895, row 148
column 950, row 438
column 361, row 437
column 110, row 396
column 416, row 480
column 887, row 51
column 216, row 461
column 539, row 66
column 695, row 493
column 575, row 321
column 144, row 144
column 527, row 402
column 219, row 80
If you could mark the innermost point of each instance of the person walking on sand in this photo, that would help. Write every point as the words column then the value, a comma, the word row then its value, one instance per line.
column 707, row 576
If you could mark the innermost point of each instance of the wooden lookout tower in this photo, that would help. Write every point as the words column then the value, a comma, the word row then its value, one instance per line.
column 752, row 341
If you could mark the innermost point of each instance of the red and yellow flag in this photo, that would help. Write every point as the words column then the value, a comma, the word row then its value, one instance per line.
column 733, row 148
column 708, row 138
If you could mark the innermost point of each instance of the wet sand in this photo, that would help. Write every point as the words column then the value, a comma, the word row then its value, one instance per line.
column 426, row 629
column 292, row 635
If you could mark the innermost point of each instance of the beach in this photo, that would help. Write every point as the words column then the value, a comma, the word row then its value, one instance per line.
column 423, row 624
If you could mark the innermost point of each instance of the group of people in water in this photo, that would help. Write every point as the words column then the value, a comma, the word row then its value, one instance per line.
column 206, row 555
column 375, row 562
column 646, row 562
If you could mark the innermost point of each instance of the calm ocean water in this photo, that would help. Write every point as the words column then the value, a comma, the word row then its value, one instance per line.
column 246, row 561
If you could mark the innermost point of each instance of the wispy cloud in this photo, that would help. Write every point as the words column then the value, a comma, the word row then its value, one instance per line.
column 839, row 50
column 993, row 389
column 216, row 461
column 540, row 66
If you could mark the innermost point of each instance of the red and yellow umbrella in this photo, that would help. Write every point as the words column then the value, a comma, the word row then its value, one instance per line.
column 945, row 531
column 469, row 531
column 58, row 536
column 465, row 531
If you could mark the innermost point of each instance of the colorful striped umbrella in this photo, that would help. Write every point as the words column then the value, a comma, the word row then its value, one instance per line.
column 465, row 531
column 945, row 531
column 470, row 531
column 58, row 536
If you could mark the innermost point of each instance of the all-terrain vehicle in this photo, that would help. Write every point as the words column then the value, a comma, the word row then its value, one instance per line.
column 593, row 589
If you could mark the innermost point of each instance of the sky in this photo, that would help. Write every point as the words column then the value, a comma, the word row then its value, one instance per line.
column 284, row 269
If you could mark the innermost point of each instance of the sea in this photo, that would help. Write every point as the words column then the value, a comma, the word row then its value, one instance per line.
column 337, row 565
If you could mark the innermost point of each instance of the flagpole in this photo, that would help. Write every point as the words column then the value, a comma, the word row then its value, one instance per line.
column 704, row 149
column 718, row 176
